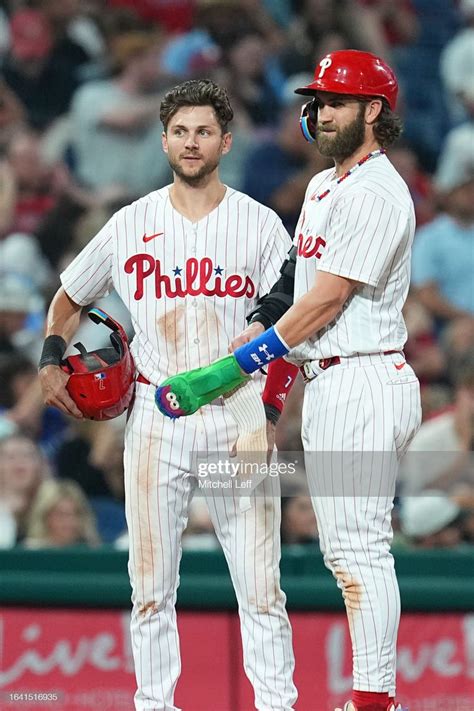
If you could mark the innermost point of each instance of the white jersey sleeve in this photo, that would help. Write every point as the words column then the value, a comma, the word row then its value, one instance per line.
column 363, row 235
column 276, row 244
column 89, row 276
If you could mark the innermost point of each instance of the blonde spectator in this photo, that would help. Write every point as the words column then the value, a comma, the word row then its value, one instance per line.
column 22, row 470
column 60, row 516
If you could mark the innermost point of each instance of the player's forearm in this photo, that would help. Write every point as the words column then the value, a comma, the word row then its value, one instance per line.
column 305, row 318
column 63, row 316
column 310, row 314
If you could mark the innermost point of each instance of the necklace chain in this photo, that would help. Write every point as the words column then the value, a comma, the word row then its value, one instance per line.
column 372, row 154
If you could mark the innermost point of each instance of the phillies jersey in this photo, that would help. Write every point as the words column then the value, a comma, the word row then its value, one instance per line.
column 362, row 229
column 188, row 286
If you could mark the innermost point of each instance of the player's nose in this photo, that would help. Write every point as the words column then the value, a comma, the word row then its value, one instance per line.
column 191, row 141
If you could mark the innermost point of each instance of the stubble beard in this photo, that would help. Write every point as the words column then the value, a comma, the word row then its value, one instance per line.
column 197, row 178
column 346, row 141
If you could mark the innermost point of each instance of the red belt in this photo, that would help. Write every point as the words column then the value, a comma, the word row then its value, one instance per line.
column 141, row 379
column 325, row 363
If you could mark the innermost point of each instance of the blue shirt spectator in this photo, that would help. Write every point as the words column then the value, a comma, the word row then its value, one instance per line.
column 443, row 254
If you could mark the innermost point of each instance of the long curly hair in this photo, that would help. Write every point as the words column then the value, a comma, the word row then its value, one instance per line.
column 388, row 126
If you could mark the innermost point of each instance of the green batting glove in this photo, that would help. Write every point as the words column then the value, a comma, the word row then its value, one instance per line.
column 186, row 392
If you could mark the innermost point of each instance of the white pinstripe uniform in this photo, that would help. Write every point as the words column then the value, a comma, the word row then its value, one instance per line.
column 368, row 404
column 188, row 288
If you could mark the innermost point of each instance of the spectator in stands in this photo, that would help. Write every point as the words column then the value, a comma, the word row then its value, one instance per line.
column 458, row 345
column 456, row 66
column 199, row 533
column 41, row 68
column 17, row 375
column 17, row 302
column 440, row 454
column 116, row 132
column 33, row 194
column 324, row 20
column 406, row 162
column 431, row 521
column 22, row 471
column 173, row 16
column 298, row 522
column 422, row 349
column 468, row 528
column 21, row 406
column 255, row 76
column 60, row 516
column 397, row 22
column 75, row 30
column 443, row 252
column 91, row 455
column 12, row 115
column 278, row 170
column 218, row 26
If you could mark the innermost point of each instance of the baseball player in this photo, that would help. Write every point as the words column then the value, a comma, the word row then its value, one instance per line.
column 346, row 331
column 189, row 261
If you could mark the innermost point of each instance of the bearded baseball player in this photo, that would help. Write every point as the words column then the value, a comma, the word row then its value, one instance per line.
column 346, row 331
column 189, row 261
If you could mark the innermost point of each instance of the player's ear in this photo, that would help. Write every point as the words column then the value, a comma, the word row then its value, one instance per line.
column 372, row 110
column 226, row 142
column 164, row 142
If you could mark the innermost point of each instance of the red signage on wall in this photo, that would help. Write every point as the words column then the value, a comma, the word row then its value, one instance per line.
column 78, row 660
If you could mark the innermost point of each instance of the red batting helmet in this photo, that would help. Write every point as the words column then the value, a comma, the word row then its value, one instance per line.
column 101, row 382
column 349, row 71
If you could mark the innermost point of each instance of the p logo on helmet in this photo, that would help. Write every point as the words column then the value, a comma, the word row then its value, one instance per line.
column 325, row 63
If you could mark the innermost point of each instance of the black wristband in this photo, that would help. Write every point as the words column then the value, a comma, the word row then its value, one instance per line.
column 54, row 348
column 272, row 413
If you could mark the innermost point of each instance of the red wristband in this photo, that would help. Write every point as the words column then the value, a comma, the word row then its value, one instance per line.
column 280, row 378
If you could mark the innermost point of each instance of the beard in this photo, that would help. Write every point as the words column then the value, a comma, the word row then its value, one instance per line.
column 194, row 179
column 345, row 141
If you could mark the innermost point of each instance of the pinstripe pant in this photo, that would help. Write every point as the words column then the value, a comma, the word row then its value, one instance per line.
column 358, row 419
column 160, row 482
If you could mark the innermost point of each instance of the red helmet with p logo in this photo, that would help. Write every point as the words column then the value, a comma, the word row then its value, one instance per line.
column 102, row 382
column 349, row 71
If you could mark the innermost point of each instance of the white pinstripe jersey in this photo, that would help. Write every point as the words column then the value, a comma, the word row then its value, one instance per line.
column 363, row 230
column 188, row 286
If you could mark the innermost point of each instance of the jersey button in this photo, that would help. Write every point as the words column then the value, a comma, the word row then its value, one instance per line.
column 196, row 340
column 194, row 303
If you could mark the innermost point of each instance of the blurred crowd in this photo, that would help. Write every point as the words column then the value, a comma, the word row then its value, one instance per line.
column 80, row 88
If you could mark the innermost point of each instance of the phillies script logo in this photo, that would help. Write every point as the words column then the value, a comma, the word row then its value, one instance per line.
column 310, row 246
column 196, row 277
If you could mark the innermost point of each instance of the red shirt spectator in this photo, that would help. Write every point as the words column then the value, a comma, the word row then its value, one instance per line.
column 172, row 15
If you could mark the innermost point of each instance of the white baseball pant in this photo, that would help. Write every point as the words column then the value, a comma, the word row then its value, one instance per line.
column 159, row 484
column 358, row 419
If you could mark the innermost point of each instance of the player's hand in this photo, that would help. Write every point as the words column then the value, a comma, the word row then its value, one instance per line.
column 251, row 332
column 53, row 384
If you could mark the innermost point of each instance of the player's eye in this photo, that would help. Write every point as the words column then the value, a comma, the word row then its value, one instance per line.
column 204, row 132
